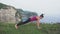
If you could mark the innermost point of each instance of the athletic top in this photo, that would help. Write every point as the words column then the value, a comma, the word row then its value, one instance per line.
column 33, row 18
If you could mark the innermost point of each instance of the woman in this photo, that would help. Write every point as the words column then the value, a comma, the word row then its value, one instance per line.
column 33, row 18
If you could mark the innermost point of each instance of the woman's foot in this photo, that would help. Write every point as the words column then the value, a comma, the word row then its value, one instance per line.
column 16, row 26
column 39, row 28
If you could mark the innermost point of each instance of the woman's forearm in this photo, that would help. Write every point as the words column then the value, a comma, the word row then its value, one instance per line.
column 38, row 24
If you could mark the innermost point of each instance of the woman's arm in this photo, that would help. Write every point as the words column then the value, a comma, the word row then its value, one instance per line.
column 38, row 23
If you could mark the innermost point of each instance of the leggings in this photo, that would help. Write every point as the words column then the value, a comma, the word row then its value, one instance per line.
column 21, row 23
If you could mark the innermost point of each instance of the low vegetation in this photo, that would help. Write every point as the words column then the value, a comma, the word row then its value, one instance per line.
column 6, row 28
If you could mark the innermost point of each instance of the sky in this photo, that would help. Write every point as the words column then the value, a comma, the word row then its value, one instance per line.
column 48, row 7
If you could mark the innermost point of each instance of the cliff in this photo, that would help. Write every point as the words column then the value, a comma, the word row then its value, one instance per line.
column 7, row 13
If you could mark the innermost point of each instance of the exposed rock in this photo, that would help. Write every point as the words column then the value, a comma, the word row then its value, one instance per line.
column 7, row 15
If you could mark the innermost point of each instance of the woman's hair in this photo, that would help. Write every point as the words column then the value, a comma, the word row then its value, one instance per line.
column 42, row 15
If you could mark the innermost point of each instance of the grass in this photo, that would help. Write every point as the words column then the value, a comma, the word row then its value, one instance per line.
column 6, row 28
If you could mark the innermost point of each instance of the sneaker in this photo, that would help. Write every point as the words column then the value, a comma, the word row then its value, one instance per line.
column 16, row 26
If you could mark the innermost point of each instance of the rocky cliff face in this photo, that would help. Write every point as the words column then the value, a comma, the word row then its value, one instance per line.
column 7, row 14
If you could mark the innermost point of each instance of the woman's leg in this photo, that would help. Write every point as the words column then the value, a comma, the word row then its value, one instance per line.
column 21, row 23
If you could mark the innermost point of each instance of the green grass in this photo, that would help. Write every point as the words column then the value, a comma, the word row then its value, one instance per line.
column 6, row 28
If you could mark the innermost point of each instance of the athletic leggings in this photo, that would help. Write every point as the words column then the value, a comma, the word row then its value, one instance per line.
column 27, row 21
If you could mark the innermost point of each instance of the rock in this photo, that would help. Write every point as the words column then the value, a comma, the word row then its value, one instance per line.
column 7, row 15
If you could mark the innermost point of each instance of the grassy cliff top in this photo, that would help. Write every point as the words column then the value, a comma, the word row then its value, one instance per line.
column 4, row 6
column 30, row 29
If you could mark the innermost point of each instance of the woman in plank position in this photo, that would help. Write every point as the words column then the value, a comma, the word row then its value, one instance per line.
column 30, row 19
